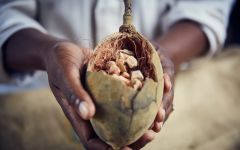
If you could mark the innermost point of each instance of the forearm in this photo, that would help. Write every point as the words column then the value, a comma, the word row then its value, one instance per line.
column 184, row 41
column 24, row 50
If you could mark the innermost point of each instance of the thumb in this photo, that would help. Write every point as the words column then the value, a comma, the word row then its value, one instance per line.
column 77, row 95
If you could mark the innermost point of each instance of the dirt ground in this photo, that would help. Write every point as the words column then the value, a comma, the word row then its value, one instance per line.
column 206, row 116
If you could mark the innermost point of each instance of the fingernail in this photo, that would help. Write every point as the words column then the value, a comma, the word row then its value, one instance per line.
column 83, row 110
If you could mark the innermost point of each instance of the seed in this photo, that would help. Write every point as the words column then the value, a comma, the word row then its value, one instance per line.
column 131, row 62
column 122, row 56
column 112, row 68
column 110, row 63
column 125, row 75
column 125, row 51
column 137, row 84
column 137, row 75
column 120, row 64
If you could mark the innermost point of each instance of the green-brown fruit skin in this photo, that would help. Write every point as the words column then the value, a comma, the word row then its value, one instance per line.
column 123, row 114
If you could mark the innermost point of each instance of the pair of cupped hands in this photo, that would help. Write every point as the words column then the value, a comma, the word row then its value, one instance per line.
column 66, row 66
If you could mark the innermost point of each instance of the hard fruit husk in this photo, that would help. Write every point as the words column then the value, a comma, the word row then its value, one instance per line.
column 124, row 114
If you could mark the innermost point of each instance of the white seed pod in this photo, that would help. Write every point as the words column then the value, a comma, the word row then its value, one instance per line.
column 137, row 75
column 131, row 62
column 125, row 51
column 122, row 55
column 120, row 64
column 113, row 68
column 110, row 63
column 126, row 75
column 137, row 84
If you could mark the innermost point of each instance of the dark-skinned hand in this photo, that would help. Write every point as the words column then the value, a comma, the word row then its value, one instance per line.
column 65, row 64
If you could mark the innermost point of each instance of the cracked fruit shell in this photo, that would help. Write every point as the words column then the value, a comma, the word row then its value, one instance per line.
column 124, row 114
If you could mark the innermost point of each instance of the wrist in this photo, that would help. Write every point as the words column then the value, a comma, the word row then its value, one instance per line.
column 26, row 50
column 166, row 60
column 168, row 49
column 184, row 41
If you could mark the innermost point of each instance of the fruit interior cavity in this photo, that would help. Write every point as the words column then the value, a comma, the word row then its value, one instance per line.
column 126, row 57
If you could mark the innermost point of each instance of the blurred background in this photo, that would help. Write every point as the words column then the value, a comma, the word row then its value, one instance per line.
column 206, row 108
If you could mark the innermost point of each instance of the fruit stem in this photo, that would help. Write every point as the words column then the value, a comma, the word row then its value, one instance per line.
column 127, row 18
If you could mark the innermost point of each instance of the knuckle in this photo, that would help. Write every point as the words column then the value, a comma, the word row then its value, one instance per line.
column 148, row 138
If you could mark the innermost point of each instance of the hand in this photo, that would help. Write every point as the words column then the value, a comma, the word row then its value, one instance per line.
column 167, row 103
column 64, row 64
column 29, row 50
column 169, row 77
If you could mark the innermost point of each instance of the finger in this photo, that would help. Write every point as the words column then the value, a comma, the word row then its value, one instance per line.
column 97, row 144
column 160, row 115
column 81, row 127
column 78, row 95
column 86, row 133
column 167, row 83
column 151, row 125
column 169, row 111
column 157, row 126
column 126, row 148
column 146, row 138
column 167, row 103
column 158, row 122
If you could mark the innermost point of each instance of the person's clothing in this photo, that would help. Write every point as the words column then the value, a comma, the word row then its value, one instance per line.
column 233, row 31
column 92, row 20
